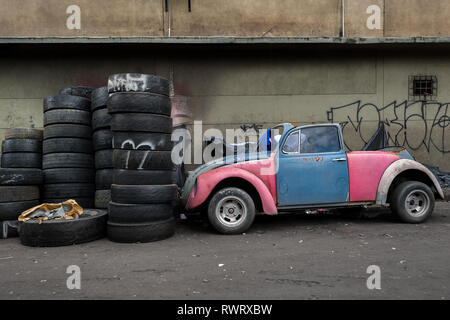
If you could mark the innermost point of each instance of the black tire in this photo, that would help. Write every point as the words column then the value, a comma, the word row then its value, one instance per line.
column 423, row 197
column 84, row 202
column 102, row 198
column 68, row 190
column 18, row 193
column 20, row 177
column 142, row 141
column 135, row 82
column 79, row 91
column 66, row 102
column 67, row 145
column 90, row 226
column 139, row 177
column 143, row 194
column 140, row 213
column 12, row 210
column 22, row 145
column 67, row 116
column 141, row 122
column 104, row 159
column 99, row 97
column 140, row 232
column 140, row 103
column 67, row 131
column 69, row 175
column 244, row 198
column 67, row 160
column 146, row 160
column 22, row 160
column 101, row 119
column 102, row 139
column 103, row 179
column 23, row 133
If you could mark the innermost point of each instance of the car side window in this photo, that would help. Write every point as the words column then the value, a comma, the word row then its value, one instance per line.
column 319, row 139
column 291, row 143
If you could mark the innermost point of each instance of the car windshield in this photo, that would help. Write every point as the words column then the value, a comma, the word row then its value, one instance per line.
column 270, row 139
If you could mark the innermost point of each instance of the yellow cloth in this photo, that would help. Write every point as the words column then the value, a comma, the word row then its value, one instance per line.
column 73, row 213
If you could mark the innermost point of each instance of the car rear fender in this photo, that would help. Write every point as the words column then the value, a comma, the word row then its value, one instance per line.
column 207, row 181
column 396, row 168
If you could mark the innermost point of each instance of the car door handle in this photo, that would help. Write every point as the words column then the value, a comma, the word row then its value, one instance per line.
column 340, row 159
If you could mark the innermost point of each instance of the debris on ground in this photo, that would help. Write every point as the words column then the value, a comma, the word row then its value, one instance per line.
column 442, row 177
column 67, row 210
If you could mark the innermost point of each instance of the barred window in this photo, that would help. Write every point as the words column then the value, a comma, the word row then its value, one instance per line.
column 422, row 88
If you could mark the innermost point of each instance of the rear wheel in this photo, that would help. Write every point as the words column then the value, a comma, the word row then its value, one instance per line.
column 412, row 202
column 231, row 211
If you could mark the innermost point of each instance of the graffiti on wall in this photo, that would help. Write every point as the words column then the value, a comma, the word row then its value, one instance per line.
column 414, row 124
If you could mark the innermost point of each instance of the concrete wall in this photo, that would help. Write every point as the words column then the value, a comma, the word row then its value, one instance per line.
column 227, row 86
column 231, row 18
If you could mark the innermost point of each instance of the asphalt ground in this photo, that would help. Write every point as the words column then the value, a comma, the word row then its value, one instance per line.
column 296, row 256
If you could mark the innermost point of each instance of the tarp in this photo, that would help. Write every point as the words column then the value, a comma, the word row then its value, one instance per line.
column 69, row 209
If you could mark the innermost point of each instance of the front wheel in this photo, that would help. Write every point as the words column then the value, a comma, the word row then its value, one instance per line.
column 231, row 211
column 412, row 202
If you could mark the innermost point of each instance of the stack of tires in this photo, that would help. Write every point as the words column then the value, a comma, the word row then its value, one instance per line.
column 143, row 193
column 20, row 176
column 68, row 162
column 102, row 140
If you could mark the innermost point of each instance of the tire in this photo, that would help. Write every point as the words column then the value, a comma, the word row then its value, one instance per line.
column 142, row 141
column 84, row 202
column 135, row 82
column 104, row 159
column 102, row 139
column 18, row 193
column 421, row 200
column 103, row 179
column 102, row 198
column 66, row 102
column 99, row 97
column 242, row 201
column 23, row 133
column 12, row 210
column 67, row 116
column 67, row 160
column 141, row 122
column 20, row 177
column 142, row 177
column 67, row 145
column 22, row 145
column 101, row 119
column 140, row 232
column 67, row 131
column 143, row 194
column 22, row 160
column 84, row 92
column 90, row 226
column 139, row 103
column 68, row 190
column 146, row 160
column 69, row 175
column 140, row 213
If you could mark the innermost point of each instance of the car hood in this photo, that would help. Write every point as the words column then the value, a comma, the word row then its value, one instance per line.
column 226, row 161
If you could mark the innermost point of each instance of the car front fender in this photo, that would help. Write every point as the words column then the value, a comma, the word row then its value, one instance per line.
column 207, row 181
column 394, row 170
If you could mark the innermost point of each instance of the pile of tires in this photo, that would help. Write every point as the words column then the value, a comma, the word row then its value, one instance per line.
column 68, row 161
column 142, row 193
column 20, row 176
column 102, row 141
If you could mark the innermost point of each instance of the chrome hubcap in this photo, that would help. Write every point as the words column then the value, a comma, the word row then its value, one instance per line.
column 417, row 203
column 231, row 211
